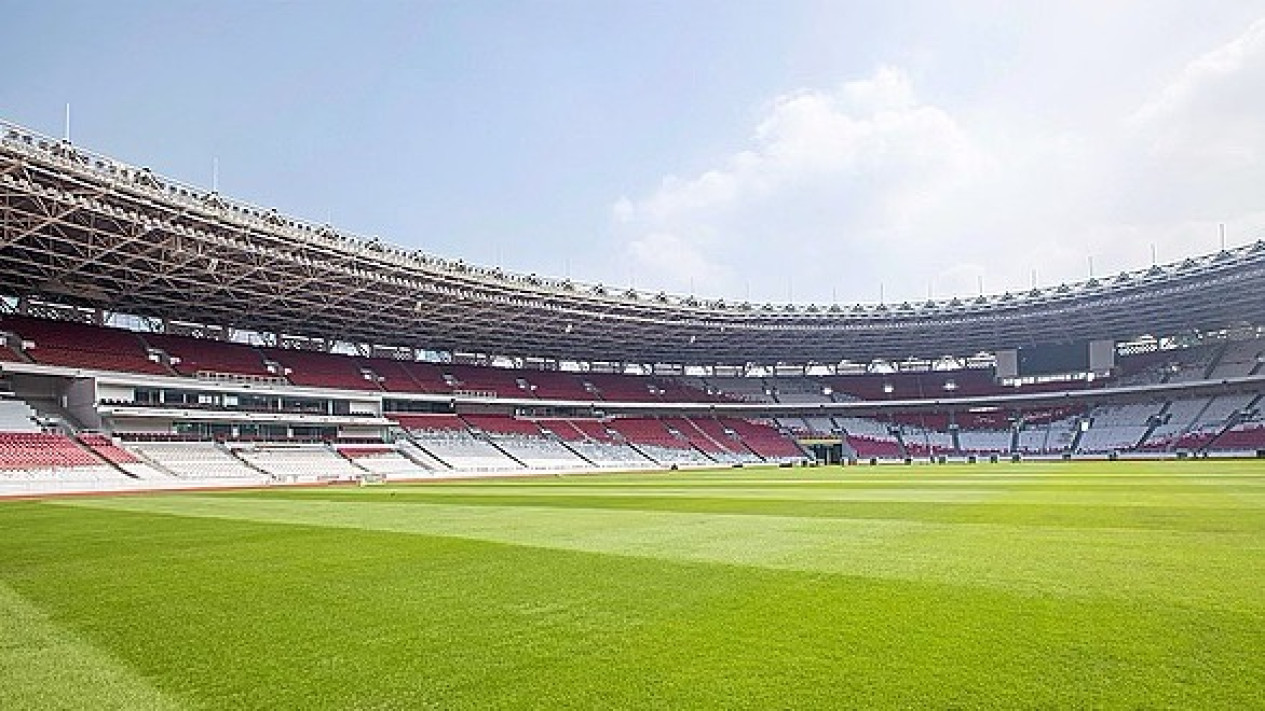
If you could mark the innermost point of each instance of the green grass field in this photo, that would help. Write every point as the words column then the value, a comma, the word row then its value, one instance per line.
column 1108, row 585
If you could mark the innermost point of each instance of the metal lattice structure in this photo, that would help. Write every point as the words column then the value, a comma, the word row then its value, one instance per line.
column 83, row 229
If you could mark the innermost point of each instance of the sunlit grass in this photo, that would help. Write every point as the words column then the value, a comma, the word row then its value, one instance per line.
column 1032, row 585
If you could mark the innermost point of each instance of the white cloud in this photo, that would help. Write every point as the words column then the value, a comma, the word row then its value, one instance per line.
column 828, row 174
column 869, row 184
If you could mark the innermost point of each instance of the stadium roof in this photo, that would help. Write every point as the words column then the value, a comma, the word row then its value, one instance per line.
column 84, row 229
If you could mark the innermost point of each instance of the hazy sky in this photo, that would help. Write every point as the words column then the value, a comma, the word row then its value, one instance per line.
column 770, row 150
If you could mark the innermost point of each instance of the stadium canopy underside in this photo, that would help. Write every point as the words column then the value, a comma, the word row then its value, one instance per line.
column 87, row 230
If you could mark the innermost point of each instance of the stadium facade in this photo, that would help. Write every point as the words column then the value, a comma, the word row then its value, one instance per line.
column 365, row 358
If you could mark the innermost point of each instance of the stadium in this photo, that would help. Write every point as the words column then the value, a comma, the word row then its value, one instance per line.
column 538, row 446
column 365, row 360
column 158, row 336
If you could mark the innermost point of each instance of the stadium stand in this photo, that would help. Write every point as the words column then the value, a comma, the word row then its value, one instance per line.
column 199, row 410
column 502, row 424
column 922, row 442
column 984, row 442
column 732, row 445
column 203, row 463
column 323, row 370
column 648, row 431
column 489, row 381
column 1116, row 428
column 300, row 463
column 1245, row 437
column 17, row 416
column 8, row 354
column 764, row 440
column 398, row 376
column 191, row 356
column 424, row 423
column 39, row 450
column 387, row 462
column 33, row 462
column 548, row 385
column 741, row 388
column 77, row 345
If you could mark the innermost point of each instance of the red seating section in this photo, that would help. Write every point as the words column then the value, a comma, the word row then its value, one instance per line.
column 622, row 388
column 592, row 429
column 1245, row 438
column 36, row 450
column 80, row 345
column 763, row 439
column 647, row 430
column 501, row 381
column 204, row 354
column 403, row 377
column 867, row 447
column 697, row 437
column 321, row 370
column 105, row 448
column 565, row 430
column 716, row 431
column 548, row 385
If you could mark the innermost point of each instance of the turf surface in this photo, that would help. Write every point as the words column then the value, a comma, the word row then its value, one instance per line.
column 1108, row 585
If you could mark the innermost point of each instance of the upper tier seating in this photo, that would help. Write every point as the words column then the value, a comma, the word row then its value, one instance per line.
column 501, row 382
column 402, row 376
column 742, row 388
column 323, row 370
column 1239, row 359
column 191, row 356
column 624, row 388
column 552, row 385
column 80, row 345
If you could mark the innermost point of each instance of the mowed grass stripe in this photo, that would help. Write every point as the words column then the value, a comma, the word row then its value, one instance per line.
column 1240, row 518
column 1201, row 569
column 43, row 665
column 236, row 614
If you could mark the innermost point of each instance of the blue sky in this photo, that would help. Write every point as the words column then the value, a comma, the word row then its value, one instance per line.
column 771, row 150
